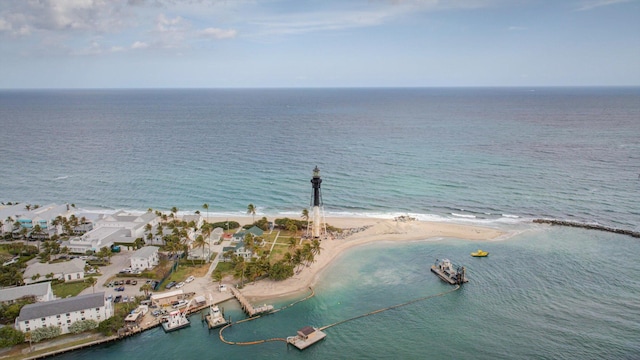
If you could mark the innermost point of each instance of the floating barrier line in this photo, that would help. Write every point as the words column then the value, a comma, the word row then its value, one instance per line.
column 245, row 343
column 389, row 308
column 255, row 342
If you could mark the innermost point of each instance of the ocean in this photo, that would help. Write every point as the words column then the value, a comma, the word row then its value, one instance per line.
column 497, row 157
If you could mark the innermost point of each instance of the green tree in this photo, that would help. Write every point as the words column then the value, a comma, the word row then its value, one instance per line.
column 199, row 243
column 305, row 214
column 281, row 271
column 146, row 288
column 251, row 209
column 293, row 243
column 10, row 336
column 206, row 207
column 92, row 280
column 217, row 276
column 240, row 269
column 315, row 247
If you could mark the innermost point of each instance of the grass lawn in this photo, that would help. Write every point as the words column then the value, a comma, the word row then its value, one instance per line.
column 63, row 290
column 184, row 271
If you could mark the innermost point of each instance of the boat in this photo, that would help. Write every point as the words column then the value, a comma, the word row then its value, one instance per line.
column 479, row 253
column 445, row 271
column 176, row 320
column 215, row 318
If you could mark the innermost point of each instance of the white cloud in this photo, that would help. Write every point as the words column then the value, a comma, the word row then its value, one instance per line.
column 139, row 45
column 216, row 33
column 589, row 5
column 165, row 24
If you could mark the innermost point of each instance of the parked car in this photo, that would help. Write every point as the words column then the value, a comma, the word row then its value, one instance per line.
column 128, row 281
column 181, row 303
column 170, row 285
column 117, row 298
column 125, row 299
column 179, row 285
column 189, row 279
column 134, row 282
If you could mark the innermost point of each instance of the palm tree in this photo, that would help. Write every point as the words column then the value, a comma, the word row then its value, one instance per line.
column 292, row 243
column 315, row 247
column 307, row 254
column 146, row 288
column 199, row 242
column 217, row 276
column 174, row 211
column 93, row 281
column 305, row 214
column 251, row 209
column 206, row 232
column 240, row 268
column 206, row 207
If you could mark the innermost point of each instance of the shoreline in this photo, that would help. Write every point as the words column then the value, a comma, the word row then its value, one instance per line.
column 369, row 230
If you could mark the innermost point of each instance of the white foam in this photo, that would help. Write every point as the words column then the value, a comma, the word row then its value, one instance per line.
column 464, row 216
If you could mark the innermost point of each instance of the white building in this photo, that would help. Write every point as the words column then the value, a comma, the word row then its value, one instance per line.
column 66, row 271
column 144, row 258
column 9, row 215
column 64, row 312
column 119, row 228
column 96, row 239
column 41, row 292
column 43, row 216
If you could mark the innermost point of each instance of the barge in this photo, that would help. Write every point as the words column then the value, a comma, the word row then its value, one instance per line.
column 306, row 337
column 445, row 271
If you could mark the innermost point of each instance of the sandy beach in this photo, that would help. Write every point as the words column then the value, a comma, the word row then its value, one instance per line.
column 366, row 230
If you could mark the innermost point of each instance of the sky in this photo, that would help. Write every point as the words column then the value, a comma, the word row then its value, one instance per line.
column 318, row 43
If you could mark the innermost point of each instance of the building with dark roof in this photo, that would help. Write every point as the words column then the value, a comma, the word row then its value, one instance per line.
column 40, row 292
column 62, row 313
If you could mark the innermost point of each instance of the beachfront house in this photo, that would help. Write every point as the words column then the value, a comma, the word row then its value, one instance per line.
column 43, row 217
column 64, row 312
column 144, row 258
column 197, row 219
column 240, row 235
column 8, row 216
column 238, row 249
column 67, row 271
column 41, row 292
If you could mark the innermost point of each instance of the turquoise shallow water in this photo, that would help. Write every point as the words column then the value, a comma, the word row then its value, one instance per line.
column 494, row 157
column 547, row 293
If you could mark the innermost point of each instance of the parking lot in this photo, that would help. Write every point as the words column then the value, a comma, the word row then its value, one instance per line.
column 119, row 261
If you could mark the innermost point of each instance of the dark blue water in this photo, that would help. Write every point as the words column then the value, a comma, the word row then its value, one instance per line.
column 496, row 157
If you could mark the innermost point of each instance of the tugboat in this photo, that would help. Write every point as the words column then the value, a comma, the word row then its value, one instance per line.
column 215, row 318
column 445, row 271
column 479, row 253
column 175, row 321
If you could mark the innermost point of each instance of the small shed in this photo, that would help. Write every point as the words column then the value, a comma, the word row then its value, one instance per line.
column 134, row 318
column 167, row 298
column 306, row 332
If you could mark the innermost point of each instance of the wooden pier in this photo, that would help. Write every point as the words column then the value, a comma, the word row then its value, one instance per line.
column 246, row 305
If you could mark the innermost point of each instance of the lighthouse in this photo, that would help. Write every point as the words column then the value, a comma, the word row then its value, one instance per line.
column 317, row 211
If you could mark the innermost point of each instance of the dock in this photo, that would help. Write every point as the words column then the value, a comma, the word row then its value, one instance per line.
column 246, row 305
column 306, row 337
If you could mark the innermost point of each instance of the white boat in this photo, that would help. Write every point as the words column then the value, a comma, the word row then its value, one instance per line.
column 176, row 320
column 215, row 318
